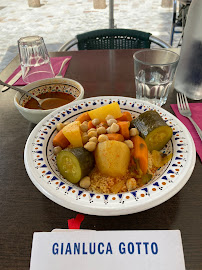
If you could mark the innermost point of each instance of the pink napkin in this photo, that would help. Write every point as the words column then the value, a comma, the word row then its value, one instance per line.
column 56, row 64
column 196, row 109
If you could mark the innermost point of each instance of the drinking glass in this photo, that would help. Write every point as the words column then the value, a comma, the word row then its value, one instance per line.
column 34, row 59
column 154, row 73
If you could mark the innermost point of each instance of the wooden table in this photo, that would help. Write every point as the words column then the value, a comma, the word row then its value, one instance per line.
column 24, row 210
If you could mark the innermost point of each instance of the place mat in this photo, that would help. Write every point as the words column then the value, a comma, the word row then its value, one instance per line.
column 56, row 64
column 196, row 110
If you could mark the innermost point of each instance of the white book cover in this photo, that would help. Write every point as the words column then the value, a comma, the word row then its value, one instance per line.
column 90, row 250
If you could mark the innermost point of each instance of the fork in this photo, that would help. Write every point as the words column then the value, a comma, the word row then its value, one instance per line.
column 184, row 110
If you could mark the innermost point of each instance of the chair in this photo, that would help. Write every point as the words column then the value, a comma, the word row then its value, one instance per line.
column 113, row 39
column 180, row 20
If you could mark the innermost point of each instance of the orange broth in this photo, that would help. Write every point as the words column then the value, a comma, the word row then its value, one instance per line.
column 63, row 98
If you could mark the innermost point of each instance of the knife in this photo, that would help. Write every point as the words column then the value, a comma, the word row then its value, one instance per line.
column 12, row 81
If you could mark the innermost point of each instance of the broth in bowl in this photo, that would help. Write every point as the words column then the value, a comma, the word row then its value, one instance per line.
column 58, row 99
column 63, row 89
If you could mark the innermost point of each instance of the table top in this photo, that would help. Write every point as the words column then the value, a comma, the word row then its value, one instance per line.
column 26, row 210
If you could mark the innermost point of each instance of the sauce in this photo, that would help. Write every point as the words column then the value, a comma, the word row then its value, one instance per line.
column 60, row 99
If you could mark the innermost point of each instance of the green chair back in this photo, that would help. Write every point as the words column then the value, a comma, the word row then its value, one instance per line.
column 113, row 39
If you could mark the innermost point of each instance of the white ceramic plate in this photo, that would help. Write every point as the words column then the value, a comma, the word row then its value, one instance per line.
column 42, row 170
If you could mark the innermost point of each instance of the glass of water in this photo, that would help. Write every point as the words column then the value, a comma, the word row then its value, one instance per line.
column 34, row 59
column 154, row 73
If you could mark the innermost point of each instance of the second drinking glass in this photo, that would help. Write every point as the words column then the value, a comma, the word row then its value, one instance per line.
column 154, row 74
column 34, row 59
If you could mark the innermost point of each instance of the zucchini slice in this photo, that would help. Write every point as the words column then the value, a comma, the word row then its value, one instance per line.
column 153, row 129
column 75, row 163
column 159, row 159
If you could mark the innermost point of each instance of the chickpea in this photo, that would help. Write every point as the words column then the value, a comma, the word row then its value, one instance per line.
column 92, row 129
column 57, row 150
column 109, row 117
column 90, row 146
column 129, row 143
column 92, row 133
column 134, row 132
column 85, row 137
column 95, row 122
column 102, row 138
column 114, row 128
column 93, row 139
column 111, row 121
column 131, row 184
column 108, row 130
column 84, row 126
column 59, row 126
column 101, row 130
column 85, row 182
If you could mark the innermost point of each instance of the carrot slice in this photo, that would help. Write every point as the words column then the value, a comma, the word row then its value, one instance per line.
column 115, row 137
column 140, row 152
column 124, row 129
column 126, row 116
column 83, row 117
column 90, row 125
column 60, row 140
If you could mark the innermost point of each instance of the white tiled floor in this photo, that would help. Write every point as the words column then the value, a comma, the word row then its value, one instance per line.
column 60, row 20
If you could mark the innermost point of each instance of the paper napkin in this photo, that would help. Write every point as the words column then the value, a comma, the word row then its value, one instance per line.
column 196, row 110
column 56, row 64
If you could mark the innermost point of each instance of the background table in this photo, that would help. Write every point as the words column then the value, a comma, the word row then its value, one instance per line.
column 24, row 210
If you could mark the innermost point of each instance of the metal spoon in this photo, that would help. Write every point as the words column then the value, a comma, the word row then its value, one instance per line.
column 45, row 103
column 59, row 75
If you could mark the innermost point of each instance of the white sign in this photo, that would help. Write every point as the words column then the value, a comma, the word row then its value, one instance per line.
column 101, row 250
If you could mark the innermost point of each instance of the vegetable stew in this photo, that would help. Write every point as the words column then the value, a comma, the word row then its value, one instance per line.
column 107, row 151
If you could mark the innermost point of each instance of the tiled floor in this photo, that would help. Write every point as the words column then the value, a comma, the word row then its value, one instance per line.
column 58, row 21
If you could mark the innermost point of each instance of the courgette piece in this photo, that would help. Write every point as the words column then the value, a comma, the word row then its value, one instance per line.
column 75, row 163
column 159, row 159
column 146, row 178
column 153, row 129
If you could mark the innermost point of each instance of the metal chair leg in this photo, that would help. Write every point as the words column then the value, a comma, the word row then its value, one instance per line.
column 173, row 22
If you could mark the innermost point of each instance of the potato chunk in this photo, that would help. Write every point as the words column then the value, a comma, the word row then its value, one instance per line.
column 73, row 134
column 102, row 112
column 112, row 158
